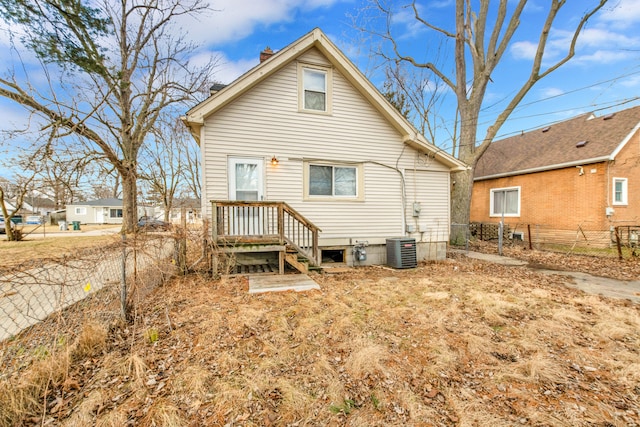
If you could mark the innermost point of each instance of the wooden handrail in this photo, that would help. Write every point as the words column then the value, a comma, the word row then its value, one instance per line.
column 265, row 221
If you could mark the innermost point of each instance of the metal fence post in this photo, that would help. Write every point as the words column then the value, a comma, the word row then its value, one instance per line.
column 618, row 244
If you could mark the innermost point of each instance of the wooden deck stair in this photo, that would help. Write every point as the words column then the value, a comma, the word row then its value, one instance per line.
column 257, row 227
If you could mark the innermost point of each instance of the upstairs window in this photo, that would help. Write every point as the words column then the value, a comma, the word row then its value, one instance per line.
column 620, row 191
column 505, row 200
column 315, row 88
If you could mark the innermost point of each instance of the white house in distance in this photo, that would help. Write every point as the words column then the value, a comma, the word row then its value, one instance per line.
column 305, row 127
column 101, row 211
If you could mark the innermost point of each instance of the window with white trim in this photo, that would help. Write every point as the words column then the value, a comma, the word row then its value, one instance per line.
column 620, row 193
column 81, row 211
column 115, row 213
column 337, row 181
column 314, row 88
column 505, row 200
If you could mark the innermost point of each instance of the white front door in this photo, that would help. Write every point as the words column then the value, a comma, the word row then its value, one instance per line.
column 99, row 216
column 246, row 179
column 246, row 183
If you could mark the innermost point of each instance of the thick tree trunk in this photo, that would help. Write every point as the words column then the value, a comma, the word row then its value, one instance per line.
column 460, row 205
column 463, row 181
column 129, row 201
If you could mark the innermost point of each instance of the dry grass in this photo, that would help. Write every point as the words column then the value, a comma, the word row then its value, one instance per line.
column 452, row 343
column 14, row 254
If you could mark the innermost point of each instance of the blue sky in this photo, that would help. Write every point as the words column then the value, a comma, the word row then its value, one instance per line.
column 604, row 74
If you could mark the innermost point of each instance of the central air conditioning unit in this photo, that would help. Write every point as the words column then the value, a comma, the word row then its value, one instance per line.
column 401, row 253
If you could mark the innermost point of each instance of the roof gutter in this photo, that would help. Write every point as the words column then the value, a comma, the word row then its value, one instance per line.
column 545, row 168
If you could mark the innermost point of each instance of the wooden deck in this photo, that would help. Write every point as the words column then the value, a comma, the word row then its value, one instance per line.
column 240, row 227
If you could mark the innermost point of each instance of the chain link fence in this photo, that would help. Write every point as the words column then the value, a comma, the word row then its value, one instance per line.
column 45, row 301
column 619, row 241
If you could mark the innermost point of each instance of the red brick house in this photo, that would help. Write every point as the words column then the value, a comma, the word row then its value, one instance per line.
column 579, row 174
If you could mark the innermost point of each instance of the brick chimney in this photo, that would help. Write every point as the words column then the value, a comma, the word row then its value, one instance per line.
column 266, row 54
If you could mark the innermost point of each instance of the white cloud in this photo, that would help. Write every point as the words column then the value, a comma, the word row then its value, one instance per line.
column 631, row 82
column 622, row 13
column 227, row 70
column 550, row 92
column 523, row 50
column 594, row 45
column 406, row 18
column 601, row 57
column 234, row 20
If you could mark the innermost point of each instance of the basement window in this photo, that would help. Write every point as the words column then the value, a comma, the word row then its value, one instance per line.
column 330, row 256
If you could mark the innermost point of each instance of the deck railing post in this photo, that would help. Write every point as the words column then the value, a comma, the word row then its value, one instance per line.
column 214, row 222
column 315, row 246
column 281, row 222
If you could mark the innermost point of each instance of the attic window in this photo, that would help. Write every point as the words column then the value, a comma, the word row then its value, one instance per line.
column 608, row 116
column 581, row 144
column 314, row 88
column 546, row 129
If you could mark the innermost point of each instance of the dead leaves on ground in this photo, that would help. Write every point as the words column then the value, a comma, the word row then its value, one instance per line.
column 450, row 343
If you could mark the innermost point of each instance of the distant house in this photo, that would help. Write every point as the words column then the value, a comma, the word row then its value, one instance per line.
column 191, row 208
column 38, row 205
column 583, row 172
column 304, row 154
column 101, row 211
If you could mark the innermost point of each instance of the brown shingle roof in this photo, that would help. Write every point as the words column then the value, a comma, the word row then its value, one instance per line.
column 553, row 146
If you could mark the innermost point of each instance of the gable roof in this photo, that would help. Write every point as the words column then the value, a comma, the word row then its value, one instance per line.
column 578, row 141
column 195, row 117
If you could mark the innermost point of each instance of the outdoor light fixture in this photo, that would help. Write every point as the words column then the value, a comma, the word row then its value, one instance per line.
column 274, row 160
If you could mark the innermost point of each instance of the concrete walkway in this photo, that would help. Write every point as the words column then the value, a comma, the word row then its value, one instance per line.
column 260, row 283
column 604, row 286
column 52, row 231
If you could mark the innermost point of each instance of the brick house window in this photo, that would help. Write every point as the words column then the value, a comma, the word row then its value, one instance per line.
column 505, row 199
column 620, row 191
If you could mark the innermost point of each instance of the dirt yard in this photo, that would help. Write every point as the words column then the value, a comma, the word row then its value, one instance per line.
column 459, row 342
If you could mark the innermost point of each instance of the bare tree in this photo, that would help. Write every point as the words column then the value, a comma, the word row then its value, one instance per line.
column 106, row 183
column 63, row 171
column 162, row 164
column 18, row 188
column 191, row 171
column 127, row 64
column 420, row 97
column 481, row 36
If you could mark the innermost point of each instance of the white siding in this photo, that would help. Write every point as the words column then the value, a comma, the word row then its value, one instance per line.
column 88, row 217
column 265, row 122
column 431, row 190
